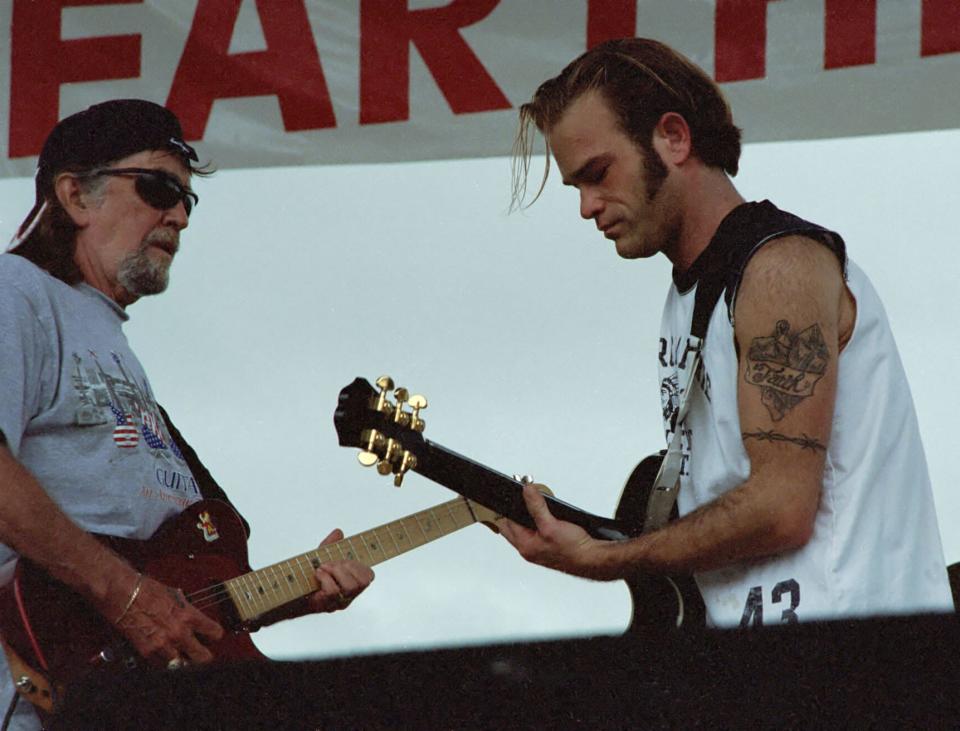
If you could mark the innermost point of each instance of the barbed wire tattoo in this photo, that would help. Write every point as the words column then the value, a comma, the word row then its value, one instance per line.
column 803, row 441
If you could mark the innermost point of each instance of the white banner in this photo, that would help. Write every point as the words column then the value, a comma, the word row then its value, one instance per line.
column 291, row 82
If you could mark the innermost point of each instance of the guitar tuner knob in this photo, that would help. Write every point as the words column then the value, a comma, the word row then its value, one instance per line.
column 408, row 463
column 394, row 451
column 384, row 467
column 367, row 459
column 385, row 383
column 417, row 403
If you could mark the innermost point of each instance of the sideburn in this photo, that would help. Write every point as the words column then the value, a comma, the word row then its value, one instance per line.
column 654, row 171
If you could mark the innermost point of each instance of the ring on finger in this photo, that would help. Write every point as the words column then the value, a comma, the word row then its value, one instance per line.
column 342, row 600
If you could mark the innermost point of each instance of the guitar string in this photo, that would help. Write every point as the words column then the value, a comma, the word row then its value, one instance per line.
column 218, row 593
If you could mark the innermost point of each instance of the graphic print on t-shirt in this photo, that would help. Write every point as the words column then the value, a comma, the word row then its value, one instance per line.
column 675, row 357
column 114, row 397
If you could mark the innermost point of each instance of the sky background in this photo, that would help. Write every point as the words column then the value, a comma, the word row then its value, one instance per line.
column 535, row 345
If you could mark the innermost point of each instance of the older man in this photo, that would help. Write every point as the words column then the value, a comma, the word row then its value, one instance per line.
column 84, row 448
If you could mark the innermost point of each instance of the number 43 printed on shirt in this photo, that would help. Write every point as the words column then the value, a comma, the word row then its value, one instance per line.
column 785, row 596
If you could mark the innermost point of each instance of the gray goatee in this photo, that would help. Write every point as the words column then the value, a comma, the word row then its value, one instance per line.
column 142, row 275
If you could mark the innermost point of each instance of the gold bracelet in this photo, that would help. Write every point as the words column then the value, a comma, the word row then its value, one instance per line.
column 133, row 597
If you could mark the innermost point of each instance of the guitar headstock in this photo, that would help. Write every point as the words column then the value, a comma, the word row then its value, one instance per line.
column 388, row 432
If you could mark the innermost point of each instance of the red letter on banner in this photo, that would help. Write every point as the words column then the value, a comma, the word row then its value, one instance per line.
column 387, row 28
column 40, row 61
column 608, row 20
column 289, row 69
column 939, row 27
column 850, row 33
column 740, row 40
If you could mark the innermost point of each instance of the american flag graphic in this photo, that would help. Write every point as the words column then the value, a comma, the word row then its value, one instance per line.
column 125, row 433
column 150, row 429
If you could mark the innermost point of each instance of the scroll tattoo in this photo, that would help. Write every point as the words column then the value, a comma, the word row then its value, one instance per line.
column 786, row 366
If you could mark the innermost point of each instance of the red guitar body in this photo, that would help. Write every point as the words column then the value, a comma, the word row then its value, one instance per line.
column 57, row 632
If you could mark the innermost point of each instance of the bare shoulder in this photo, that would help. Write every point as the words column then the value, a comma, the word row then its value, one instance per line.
column 788, row 335
column 792, row 263
column 790, row 273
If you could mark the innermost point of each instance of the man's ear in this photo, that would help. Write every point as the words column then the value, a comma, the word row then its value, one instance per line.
column 70, row 195
column 672, row 138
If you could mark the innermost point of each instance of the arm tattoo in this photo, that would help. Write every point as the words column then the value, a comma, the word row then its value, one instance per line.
column 786, row 365
column 803, row 441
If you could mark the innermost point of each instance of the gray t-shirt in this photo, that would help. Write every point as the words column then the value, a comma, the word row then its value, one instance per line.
column 77, row 409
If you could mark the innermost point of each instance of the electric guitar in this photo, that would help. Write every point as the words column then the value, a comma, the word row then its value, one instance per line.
column 389, row 434
column 202, row 551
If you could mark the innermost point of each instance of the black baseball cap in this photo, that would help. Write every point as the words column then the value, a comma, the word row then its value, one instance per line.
column 99, row 135
column 106, row 132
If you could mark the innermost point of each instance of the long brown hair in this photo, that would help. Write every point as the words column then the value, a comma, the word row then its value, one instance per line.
column 642, row 80
column 52, row 242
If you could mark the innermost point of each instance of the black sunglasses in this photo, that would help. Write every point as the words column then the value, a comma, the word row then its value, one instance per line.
column 157, row 188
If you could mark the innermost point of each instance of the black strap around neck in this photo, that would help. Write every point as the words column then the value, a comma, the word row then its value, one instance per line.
column 209, row 488
column 739, row 236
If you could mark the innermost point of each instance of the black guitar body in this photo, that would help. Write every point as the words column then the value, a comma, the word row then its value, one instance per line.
column 658, row 601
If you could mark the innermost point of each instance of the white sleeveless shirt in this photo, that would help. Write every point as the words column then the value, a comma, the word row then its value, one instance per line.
column 876, row 547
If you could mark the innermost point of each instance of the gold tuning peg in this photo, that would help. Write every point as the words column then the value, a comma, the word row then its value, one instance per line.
column 393, row 452
column 408, row 463
column 400, row 416
column 385, row 384
column 417, row 402
column 391, row 457
column 368, row 456
column 367, row 459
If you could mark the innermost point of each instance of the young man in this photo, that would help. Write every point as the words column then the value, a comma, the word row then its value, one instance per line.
column 804, row 492
column 84, row 448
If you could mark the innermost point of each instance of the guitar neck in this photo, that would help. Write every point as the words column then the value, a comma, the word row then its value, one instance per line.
column 366, row 419
column 269, row 588
column 503, row 494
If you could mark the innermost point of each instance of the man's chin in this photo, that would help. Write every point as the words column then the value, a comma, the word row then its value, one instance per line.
column 628, row 249
column 146, row 280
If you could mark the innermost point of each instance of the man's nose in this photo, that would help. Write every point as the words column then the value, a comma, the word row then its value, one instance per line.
column 177, row 216
column 590, row 204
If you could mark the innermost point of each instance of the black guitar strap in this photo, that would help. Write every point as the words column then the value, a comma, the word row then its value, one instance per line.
column 666, row 486
column 719, row 270
column 209, row 487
